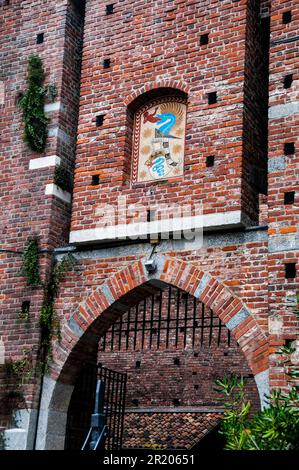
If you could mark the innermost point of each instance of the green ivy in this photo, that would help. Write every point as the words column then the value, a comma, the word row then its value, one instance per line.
column 30, row 264
column 21, row 369
column 32, row 104
column 62, row 178
column 49, row 321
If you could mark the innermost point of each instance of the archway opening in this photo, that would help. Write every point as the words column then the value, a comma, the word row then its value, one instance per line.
column 172, row 348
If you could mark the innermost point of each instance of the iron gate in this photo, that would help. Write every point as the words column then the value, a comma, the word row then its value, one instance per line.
column 82, row 405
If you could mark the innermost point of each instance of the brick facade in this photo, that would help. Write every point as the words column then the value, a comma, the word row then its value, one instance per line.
column 240, row 269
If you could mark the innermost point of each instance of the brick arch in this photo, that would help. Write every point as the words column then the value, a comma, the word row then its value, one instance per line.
column 163, row 84
column 107, row 299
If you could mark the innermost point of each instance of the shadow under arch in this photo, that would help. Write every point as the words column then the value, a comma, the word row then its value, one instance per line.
column 94, row 316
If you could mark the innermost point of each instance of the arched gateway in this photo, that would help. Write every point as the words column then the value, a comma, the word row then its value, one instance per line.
column 81, row 332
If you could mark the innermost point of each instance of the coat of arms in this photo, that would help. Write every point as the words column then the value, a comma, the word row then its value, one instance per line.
column 159, row 140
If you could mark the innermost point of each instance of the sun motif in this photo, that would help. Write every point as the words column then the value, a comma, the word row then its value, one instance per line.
column 180, row 131
column 143, row 174
column 147, row 133
column 146, row 149
column 177, row 149
column 177, row 171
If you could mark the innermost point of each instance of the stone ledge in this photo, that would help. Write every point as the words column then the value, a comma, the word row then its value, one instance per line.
column 54, row 190
column 207, row 222
column 44, row 162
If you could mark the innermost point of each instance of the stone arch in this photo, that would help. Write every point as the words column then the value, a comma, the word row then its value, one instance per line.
column 107, row 301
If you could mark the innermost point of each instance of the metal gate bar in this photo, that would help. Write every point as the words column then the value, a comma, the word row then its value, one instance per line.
column 114, row 405
column 170, row 310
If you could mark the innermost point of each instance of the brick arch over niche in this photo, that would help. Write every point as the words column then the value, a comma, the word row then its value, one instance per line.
column 133, row 99
column 95, row 315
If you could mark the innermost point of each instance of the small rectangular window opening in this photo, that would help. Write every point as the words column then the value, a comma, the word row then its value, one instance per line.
column 289, row 197
column 290, row 270
column 210, row 160
column 95, row 180
column 39, row 38
column 100, row 120
column 26, row 306
column 106, row 63
column 289, row 148
column 212, row 97
column 286, row 17
column 110, row 9
column 288, row 80
column 204, row 39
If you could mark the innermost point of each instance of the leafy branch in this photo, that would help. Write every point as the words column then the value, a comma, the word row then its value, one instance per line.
column 274, row 428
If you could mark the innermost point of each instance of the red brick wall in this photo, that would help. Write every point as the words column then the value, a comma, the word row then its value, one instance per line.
column 158, row 381
column 25, row 211
column 283, row 172
column 154, row 44
column 151, row 44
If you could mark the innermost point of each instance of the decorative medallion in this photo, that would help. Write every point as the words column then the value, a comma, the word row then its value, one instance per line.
column 159, row 140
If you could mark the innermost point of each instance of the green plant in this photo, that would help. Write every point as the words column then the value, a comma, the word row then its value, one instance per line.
column 21, row 369
column 52, row 91
column 49, row 321
column 62, row 178
column 30, row 264
column 32, row 104
column 274, row 428
column 24, row 312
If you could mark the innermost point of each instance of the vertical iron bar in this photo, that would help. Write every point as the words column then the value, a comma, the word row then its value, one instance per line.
column 115, row 398
column 104, row 341
column 185, row 320
column 219, row 331
column 168, row 317
column 136, row 325
column 228, row 337
column 177, row 317
column 119, row 406
column 152, row 320
column 159, row 319
column 112, row 336
column 128, row 329
column 202, row 323
column 123, row 408
column 120, row 331
column 143, row 323
column 211, row 327
column 194, row 320
column 109, row 411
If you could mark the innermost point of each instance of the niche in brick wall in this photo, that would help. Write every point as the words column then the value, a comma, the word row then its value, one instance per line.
column 158, row 126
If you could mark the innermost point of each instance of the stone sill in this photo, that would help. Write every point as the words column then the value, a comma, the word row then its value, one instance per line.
column 141, row 230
